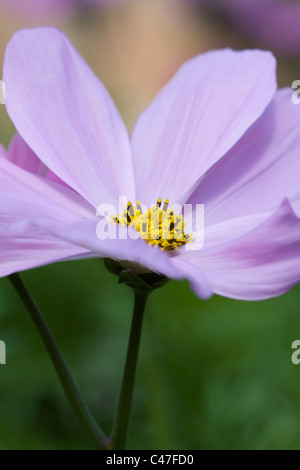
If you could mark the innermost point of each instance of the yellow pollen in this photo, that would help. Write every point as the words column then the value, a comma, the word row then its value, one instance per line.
column 158, row 226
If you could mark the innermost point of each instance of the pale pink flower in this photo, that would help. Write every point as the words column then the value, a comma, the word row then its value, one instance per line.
column 218, row 134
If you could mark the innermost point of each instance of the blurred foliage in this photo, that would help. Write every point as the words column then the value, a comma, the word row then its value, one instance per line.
column 212, row 375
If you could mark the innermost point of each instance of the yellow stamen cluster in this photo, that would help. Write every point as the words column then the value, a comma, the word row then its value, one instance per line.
column 158, row 226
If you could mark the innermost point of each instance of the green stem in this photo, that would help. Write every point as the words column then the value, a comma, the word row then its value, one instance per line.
column 120, row 428
column 87, row 422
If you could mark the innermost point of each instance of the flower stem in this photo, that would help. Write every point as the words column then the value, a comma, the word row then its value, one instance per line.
column 120, row 428
column 87, row 422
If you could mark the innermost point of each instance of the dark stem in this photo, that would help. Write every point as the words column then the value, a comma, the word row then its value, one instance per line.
column 87, row 422
column 120, row 428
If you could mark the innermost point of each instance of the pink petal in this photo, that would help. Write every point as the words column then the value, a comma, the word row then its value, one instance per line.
column 66, row 116
column 21, row 155
column 197, row 118
column 250, row 182
column 197, row 278
column 43, row 222
column 262, row 263
column 48, row 197
column 24, row 246
column 25, row 201
column 2, row 151
column 84, row 234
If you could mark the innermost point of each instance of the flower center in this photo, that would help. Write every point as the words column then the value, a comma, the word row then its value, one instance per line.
column 158, row 226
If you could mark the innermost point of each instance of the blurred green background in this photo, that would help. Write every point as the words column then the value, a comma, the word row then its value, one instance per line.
column 211, row 375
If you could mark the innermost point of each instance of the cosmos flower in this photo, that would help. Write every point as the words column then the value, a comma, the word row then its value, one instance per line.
column 218, row 134
column 271, row 24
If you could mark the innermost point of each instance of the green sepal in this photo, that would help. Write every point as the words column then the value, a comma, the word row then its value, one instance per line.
column 133, row 280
